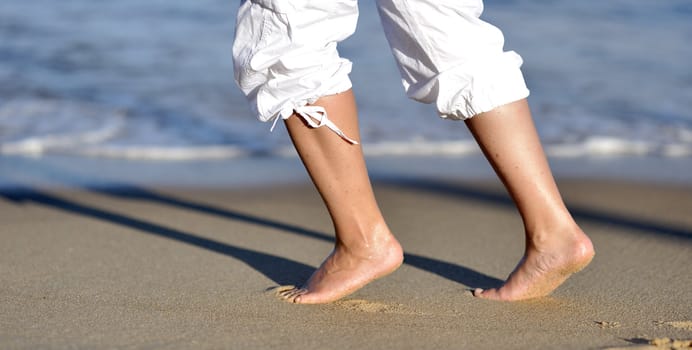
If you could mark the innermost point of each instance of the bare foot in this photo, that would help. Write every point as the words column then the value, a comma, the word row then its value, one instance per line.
column 543, row 268
column 347, row 270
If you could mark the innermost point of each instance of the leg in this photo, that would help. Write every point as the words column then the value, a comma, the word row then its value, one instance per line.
column 461, row 66
column 365, row 249
column 285, row 54
column 555, row 246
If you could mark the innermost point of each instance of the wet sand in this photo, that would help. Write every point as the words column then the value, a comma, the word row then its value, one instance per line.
column 170, row 267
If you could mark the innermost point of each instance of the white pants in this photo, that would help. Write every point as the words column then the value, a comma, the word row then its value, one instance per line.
column 285, row 56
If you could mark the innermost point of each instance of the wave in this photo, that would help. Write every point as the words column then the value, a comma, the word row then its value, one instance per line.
column 612, row 146
column 33, row 127
column 170, row 153
column 83, row 145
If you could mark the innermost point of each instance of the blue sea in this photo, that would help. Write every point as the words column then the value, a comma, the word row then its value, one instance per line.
column 153, row 81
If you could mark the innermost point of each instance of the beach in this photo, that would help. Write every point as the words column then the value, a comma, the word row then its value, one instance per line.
column 142, row 205
column 99, row 264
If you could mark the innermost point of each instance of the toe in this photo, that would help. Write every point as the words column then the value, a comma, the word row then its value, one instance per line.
column 287, row 294
column 492, row 293
column 298, row 295
column 292, row 294
column 285, row 291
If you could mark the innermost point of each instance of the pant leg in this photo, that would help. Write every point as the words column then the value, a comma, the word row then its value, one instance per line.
column 448, row 56
column 285, row 55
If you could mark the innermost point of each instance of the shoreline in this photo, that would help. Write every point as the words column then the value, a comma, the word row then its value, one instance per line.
column 271, row 171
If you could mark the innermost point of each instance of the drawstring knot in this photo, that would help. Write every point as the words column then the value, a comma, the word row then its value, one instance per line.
column 316, row 117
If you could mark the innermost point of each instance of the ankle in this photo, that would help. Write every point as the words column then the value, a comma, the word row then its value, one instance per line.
column 548, row 235
column 374, row 238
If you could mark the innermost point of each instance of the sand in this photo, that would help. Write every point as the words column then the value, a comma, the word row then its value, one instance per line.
column 170, row 267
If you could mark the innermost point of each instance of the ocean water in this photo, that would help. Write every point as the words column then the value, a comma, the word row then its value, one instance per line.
column 153, row 80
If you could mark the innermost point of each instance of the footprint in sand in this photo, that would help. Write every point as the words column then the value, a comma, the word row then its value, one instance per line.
column 358, row 305
column 656, row 344
column 361, row 305
column 608, row 324
column 686, row 325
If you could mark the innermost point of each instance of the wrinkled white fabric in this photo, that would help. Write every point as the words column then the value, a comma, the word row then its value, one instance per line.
column 448, row 56
column 285, row 56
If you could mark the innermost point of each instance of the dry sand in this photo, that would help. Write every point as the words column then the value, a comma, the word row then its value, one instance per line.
column 135, row 267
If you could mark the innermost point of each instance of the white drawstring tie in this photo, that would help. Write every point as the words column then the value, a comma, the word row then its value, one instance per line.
column 316, row 117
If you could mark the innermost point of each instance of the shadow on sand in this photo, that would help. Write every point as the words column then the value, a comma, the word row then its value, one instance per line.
column 467, row 192
column 285, row 271
column 278, row 269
